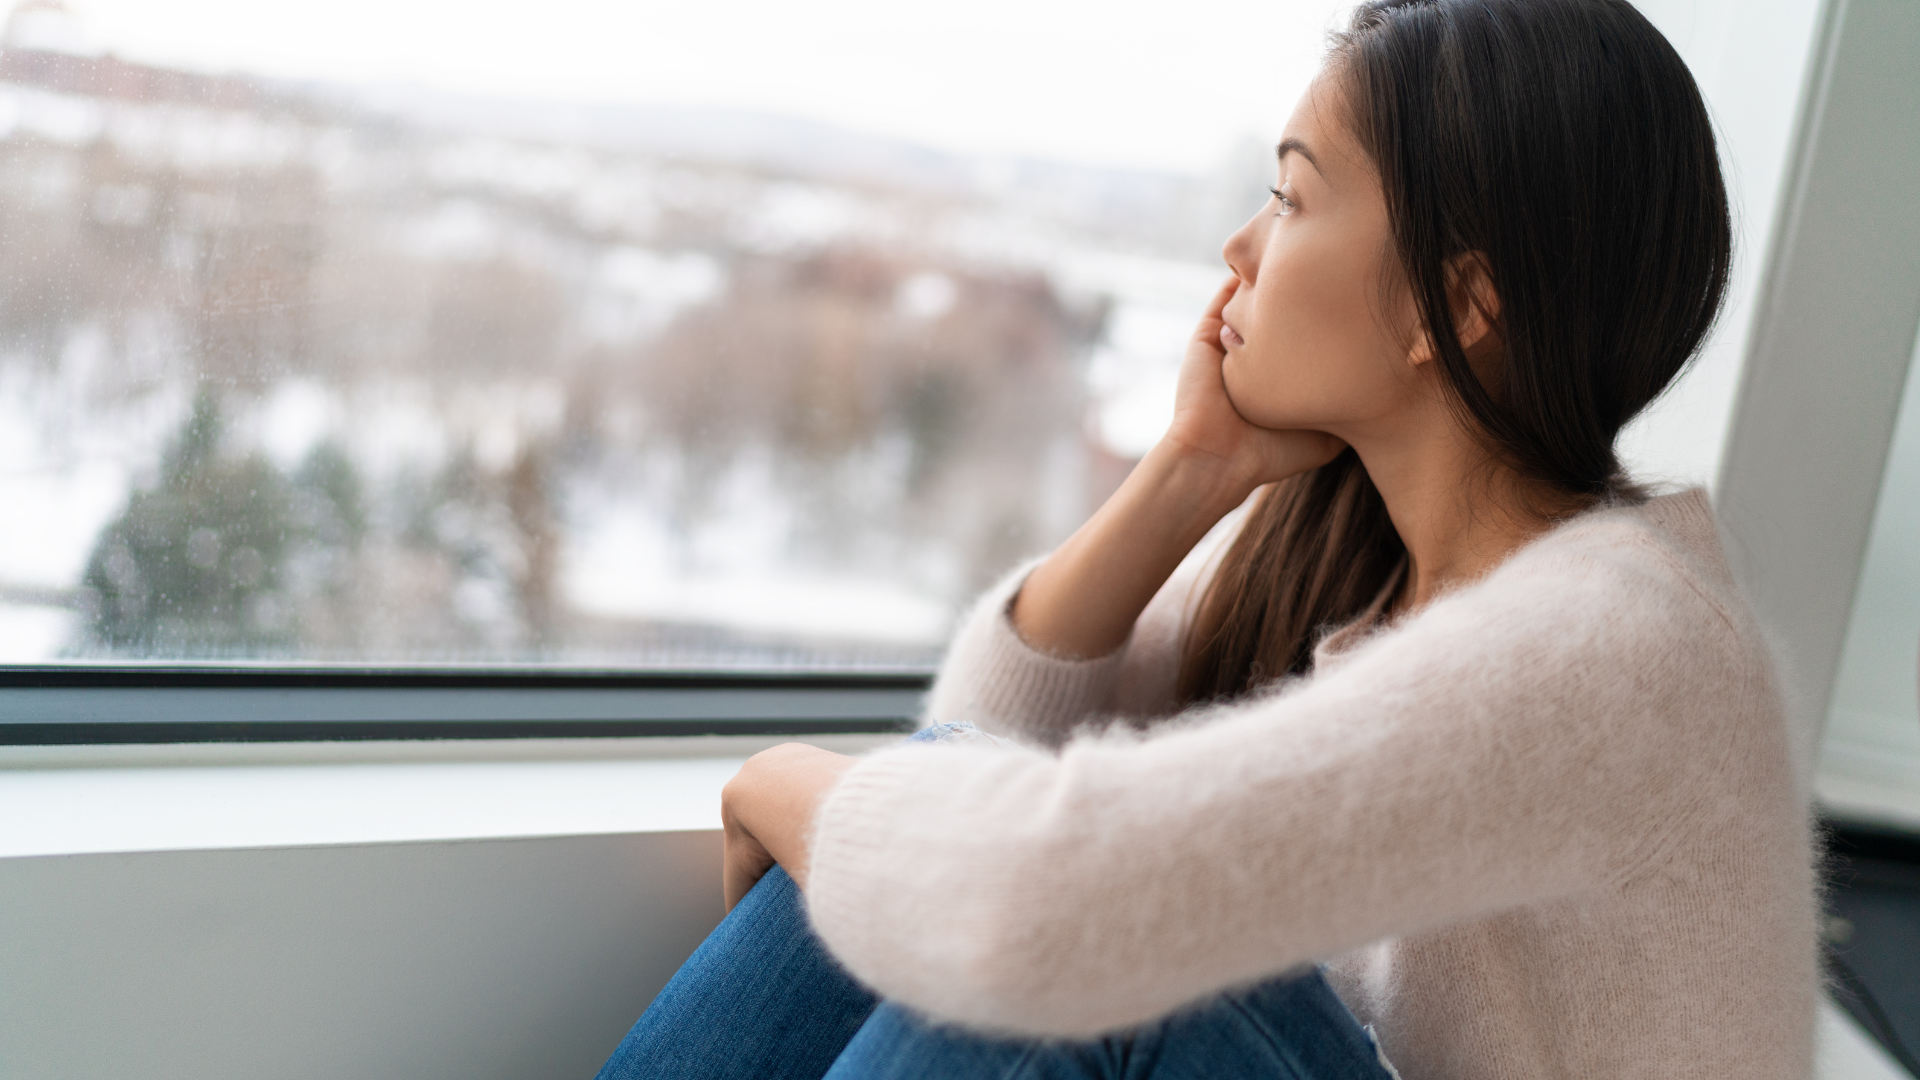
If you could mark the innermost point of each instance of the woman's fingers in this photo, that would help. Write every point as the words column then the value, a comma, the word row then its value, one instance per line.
column 767, row 809
column 1209, row 329
column 744, row 862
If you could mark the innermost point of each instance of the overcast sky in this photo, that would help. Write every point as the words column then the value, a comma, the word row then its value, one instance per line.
column 1161, row 85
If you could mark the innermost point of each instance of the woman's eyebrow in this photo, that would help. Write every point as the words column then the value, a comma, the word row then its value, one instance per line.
column 1297, row 147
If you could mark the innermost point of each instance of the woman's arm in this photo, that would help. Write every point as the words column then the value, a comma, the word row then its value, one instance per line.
column 1083, row 600
column 1081, row 603
column 993, row 678
column 1493, row 752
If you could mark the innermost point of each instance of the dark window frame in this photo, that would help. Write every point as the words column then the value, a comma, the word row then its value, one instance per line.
column 80, row 704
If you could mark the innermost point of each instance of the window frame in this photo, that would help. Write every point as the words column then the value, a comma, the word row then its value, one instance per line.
column 1807, row 447
column 67, row 705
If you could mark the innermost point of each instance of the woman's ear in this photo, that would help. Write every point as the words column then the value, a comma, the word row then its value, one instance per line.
column 1475, row 306
column 1470, row 292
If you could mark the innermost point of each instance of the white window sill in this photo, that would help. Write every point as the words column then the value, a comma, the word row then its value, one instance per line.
column 70, row 800
column 80, row 800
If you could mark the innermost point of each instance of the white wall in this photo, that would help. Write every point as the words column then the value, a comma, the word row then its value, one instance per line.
column 478, row 960
column 478, row 910
column 1749, row 57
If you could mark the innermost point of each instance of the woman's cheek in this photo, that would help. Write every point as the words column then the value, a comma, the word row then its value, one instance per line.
column 1255, row 384
column 1267, row 379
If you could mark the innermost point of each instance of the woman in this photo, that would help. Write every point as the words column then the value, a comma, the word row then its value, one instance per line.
column 1464, row 717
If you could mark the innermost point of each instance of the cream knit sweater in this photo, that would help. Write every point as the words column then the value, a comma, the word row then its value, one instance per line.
column 1546, row 827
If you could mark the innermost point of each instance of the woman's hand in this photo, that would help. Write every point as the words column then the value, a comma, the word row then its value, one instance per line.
column 1207, row 430
column 1083, row 601
column 766, row 813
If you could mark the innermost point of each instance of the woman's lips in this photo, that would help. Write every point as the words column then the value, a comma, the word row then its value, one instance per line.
column 1229, row 337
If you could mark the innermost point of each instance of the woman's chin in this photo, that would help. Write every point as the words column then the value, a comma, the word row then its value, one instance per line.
column 1261, row 402
column 1243, row 395
column 1276, row 415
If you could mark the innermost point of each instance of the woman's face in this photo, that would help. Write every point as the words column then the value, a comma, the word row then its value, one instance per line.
column 1308, row 343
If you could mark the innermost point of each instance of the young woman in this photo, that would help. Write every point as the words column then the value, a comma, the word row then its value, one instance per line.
column 1461, row 753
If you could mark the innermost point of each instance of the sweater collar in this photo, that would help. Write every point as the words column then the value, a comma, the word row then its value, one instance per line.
column 1337, row 646
column 1686, row 514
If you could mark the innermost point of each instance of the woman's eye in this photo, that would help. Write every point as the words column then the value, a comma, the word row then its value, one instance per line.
column 1286, row 204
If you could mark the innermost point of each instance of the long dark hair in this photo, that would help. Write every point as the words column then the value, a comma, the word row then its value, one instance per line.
column 1565, row 143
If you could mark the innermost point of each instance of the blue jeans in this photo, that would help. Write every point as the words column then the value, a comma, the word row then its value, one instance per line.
column 761, row 999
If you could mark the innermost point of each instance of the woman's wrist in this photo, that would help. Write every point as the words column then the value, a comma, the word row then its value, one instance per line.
column 1191, row 488
column 1083, row 600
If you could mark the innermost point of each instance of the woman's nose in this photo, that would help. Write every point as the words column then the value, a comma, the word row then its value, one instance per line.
column 1238, row 250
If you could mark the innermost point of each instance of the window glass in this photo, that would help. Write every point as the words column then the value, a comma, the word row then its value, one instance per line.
column 1873, row 734
column 347, row 331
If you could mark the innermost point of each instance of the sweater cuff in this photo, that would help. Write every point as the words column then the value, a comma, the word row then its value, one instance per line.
column 996, row 681
column 851, row 836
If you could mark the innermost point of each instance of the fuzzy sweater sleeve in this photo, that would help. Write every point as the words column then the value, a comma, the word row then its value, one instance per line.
column 1527, row 738
column 993, row 679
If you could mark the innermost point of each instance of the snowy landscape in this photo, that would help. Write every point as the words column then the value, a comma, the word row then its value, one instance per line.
column 370, row 374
